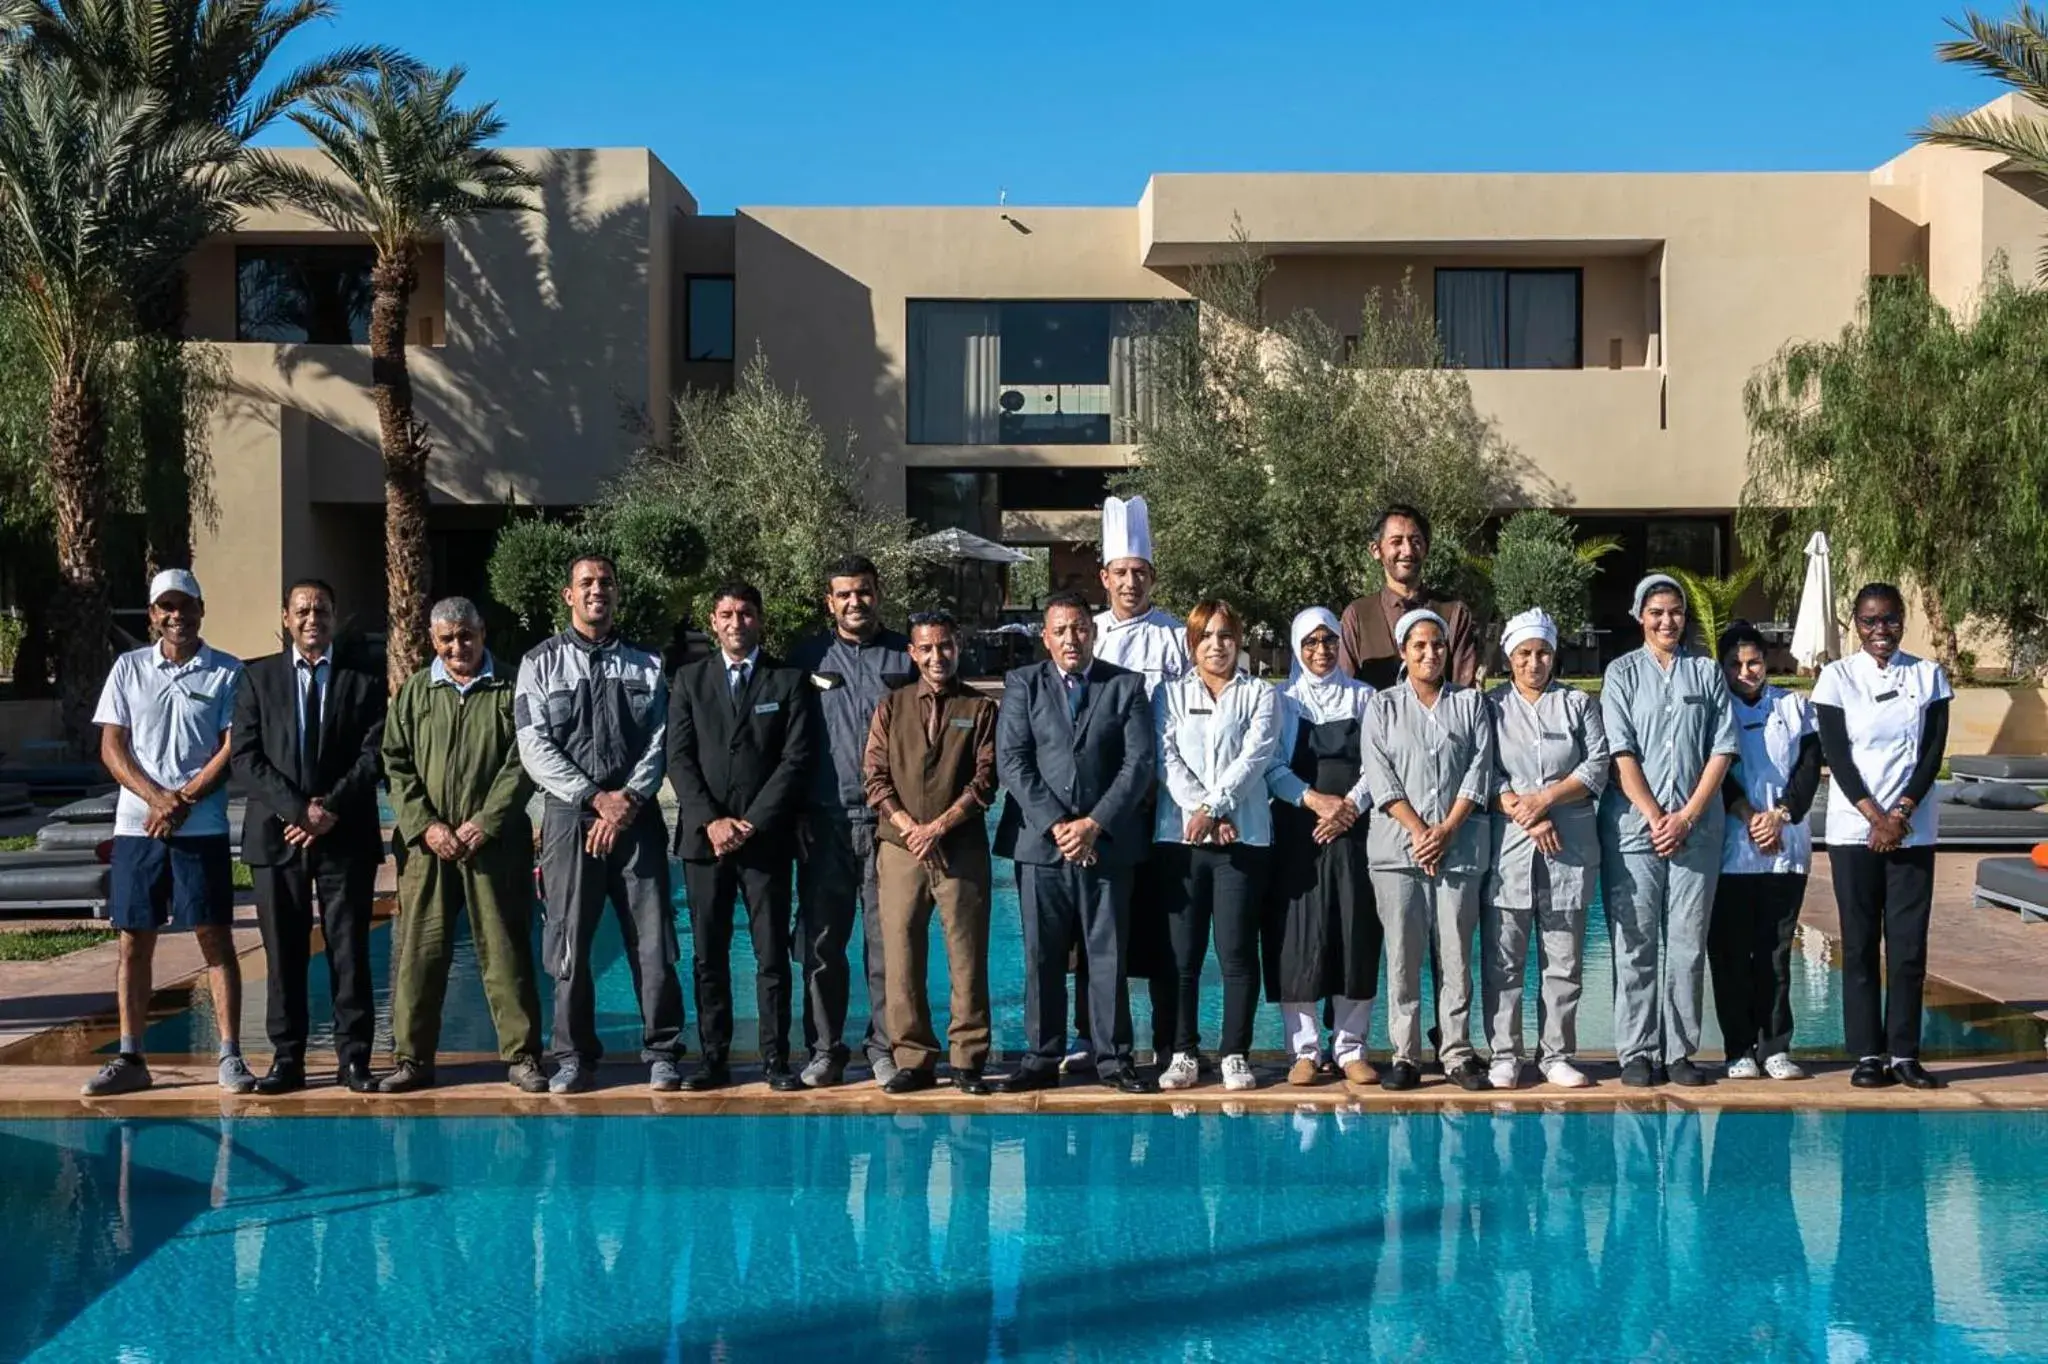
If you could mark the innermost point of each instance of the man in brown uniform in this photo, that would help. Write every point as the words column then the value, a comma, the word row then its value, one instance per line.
column 930, row 772
column 1400, row 541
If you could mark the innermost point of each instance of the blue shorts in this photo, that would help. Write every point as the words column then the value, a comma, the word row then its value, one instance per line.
column 183, row 883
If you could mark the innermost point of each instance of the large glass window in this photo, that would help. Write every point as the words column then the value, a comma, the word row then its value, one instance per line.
column 1031, row 372
column 1509, row 319
column 314, row 294
column 708, row 310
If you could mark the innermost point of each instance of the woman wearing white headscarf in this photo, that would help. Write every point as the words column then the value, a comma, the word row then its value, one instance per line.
column 1429, row 753
column 1321, row 932
column 1551, row 750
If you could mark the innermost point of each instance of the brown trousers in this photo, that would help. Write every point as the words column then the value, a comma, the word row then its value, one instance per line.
column 909, row 891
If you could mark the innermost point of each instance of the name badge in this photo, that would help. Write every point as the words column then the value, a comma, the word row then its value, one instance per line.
column 1556, row 738
column 963, row 724
column 767, row 708
column 1694, row 700
column 1195, row 711
column 1752, row 728
column 1891, row 695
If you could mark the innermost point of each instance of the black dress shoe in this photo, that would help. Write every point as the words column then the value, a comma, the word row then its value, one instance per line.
column 1401, row 1075
column 1028, row 1079
column 709, row 1076
column 1871, row 1073
column 285, row 1077
column 910, row 1080
column 1125, row 1081
column 1639, row 1074
column 1469, row 1074
column 1908, row 1071
column 1659, row 1075
column 356, row 1075
column 781, row 1078
column 1684, row 1072
column 970, row 1082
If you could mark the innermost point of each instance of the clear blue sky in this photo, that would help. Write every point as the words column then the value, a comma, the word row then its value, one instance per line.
column 1077, row 101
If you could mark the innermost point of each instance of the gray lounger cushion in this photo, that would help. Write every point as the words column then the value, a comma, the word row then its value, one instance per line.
column 56, row 883
column 2014, row 881
column 91, row 810
column 1997, row 795
column 52, row 837
column 2001, row 767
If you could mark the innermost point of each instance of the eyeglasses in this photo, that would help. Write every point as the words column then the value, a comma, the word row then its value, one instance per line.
column 1889, row 620
column 1322, row 644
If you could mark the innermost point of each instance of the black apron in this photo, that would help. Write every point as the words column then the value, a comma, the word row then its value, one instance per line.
column 1321, row 932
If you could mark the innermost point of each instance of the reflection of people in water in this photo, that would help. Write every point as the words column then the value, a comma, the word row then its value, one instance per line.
column 1883, row 1289
column 1650, row 1259
column 1762, row 1290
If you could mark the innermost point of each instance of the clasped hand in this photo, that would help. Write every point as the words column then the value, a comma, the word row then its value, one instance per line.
column 1335, row 815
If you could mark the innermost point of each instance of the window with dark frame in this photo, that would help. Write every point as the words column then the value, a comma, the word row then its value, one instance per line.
column 313, row 295
column 1511, row 319
column 708, row 324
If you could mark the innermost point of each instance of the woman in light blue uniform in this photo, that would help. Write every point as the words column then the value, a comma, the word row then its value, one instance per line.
column 1671, row 727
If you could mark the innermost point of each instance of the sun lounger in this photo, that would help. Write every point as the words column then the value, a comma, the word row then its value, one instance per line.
column 67, row 879
column 2014, row 882
column 15, row 799
column 1964, row 826
column 57, row 779
column 2022, row 771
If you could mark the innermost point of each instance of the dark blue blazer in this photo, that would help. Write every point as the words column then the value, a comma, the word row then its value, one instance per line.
column 1056, row 765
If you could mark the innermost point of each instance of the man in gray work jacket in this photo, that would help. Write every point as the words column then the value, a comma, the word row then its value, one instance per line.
column 852, row 666
column 592, row 713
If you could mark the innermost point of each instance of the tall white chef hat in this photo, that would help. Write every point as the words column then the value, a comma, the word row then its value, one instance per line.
column 1126, row 530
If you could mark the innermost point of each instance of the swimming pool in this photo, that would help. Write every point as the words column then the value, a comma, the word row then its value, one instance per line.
column 1474, row 1235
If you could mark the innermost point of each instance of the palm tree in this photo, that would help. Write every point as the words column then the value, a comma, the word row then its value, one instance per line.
column 205, row 60
column 2013, row 52
column 406, row 165
column 99, row 197
column 1712, row 600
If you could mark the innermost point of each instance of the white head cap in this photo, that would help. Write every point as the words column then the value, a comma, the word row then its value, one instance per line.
column 1535, row 623
column 1656, row 582
column 173, row 580
column 1126, row 530
column 1415, row 618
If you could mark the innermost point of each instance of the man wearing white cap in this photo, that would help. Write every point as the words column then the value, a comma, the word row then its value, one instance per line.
column 1135, row 634
column 164, row 718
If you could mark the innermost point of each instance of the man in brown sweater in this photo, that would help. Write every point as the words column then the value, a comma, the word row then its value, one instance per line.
column 1365, row 649
column 930, row 772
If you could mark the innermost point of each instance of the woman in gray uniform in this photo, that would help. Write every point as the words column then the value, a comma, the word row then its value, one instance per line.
column 1671, row 727
column 1429, row 756
column 1552, row 753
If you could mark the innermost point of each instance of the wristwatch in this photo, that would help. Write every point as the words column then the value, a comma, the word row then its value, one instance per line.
column 1784, row 815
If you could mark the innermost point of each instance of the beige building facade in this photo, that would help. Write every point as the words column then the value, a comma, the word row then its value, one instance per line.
column 982, row 358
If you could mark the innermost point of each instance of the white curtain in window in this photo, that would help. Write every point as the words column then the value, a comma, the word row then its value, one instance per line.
column 1543, row 319
column 1133, row 387
column 955, row 361
column 1471, row 317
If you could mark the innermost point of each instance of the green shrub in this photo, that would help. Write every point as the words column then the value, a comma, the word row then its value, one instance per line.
column 1539, row 562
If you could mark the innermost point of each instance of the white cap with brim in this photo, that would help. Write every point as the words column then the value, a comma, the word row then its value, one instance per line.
column 1656, row 582
column 173, row 580
column 1126, row 530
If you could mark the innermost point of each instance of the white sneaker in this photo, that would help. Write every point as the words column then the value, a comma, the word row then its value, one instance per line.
column 1181, row 1072
column 1564, row 1074
column 1779, row 1066
column 1743, row 1067
column 1237, row 1073
column 1505, row 1073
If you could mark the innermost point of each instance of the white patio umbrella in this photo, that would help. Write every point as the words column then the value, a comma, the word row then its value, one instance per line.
column 959, row 544
column 1816, row 634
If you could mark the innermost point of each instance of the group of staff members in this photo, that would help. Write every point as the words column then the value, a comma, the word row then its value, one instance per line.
column 1310, row 829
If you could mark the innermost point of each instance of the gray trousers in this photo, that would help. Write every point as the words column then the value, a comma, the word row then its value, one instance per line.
column 1421, row 916
column 835, row 876
column 1657, row 916
column 1503, row 954
column 635, row 880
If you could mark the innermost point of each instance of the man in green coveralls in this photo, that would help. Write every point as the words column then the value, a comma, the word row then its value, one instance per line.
column 463, row 844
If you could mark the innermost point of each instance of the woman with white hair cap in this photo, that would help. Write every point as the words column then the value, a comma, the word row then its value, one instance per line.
column 1429, row 756
column 1321, row 932
column 1552, row 754
column 1671, row 726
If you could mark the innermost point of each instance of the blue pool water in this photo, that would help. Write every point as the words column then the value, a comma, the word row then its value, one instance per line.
column 1807, row 1236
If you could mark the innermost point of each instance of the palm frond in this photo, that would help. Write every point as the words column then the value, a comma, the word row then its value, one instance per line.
column 1594, row 548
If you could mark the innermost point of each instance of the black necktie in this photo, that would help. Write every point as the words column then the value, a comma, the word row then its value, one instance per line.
column 309, row 731
column 736, row 686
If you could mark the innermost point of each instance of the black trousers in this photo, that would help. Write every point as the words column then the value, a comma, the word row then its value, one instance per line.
column 715, row 888
column 1883, row 899
column 1749, row 951
column 288, row 897
column 1146, row 915
column 1083, row 913
column 1225, row 887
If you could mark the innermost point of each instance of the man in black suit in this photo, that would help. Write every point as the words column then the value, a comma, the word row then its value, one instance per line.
column 306, row 741
column 741, row 739
column 1074, row 750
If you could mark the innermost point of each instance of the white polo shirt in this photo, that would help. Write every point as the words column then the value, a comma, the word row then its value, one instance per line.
column 1884, row 710
column 175, row 714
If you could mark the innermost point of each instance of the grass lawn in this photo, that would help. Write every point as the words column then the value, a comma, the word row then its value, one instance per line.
column 18, row 843
column 41, row 944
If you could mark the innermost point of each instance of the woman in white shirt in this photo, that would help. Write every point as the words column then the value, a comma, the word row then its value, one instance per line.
column 1883, row 718
column 1766, row 852
column 1429, row 754
column 1322, row 934
column 1217, row 731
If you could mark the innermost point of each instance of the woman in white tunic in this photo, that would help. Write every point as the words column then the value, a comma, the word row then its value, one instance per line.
column 1765, row 855
column 1429, row 755
column 1672, row 731
column 1322, row 934
column 1883, row 717
column 1552, row 753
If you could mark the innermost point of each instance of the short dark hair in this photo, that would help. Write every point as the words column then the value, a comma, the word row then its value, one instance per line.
column 317, row 584
column 591, row 556
column 1878, row 592
column 1737, row 634
column 737, row 589
column 852, row 566
column 930, row 620
column 1406, row 513
column 1069, row 599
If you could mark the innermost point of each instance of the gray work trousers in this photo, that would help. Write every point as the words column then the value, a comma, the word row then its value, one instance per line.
column 1503, row 957
column 835, row 876
column 1657, row 916
column 576, row 886
column 1425, row 915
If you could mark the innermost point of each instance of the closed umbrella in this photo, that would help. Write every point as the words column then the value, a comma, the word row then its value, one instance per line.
column 1816, row 635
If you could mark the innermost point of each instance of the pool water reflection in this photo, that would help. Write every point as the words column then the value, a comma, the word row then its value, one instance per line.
column 1329, row 1236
